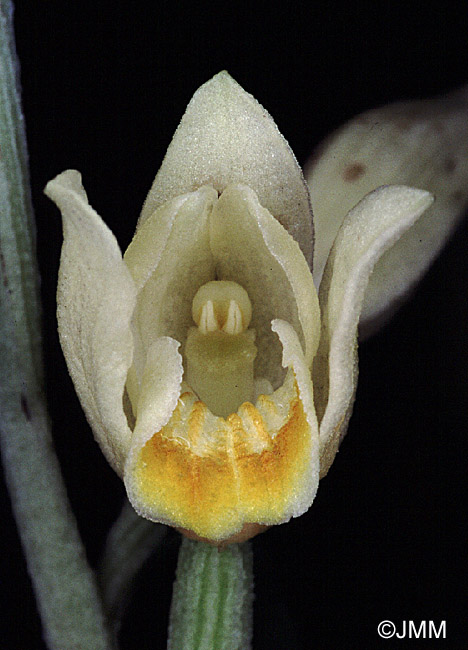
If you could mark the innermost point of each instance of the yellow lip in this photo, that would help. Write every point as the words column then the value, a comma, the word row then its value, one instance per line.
column 212, row 475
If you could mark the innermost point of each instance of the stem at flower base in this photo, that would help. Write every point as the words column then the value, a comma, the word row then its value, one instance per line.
column 212, row 598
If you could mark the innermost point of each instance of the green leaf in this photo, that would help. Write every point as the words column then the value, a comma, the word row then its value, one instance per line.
column 420, row 144
column 63, row 582
column 130, row 542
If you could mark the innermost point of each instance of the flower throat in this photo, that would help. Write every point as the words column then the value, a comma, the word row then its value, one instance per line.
column 220, row 351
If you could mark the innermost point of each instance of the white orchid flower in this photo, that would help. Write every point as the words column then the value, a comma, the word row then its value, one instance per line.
column 216, row 381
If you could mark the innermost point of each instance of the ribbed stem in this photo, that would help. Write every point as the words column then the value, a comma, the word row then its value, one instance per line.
column 212, row 598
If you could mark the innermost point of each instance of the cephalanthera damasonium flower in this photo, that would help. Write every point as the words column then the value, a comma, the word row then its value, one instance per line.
column 216, row 381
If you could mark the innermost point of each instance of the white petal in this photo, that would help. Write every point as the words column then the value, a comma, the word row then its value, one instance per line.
column 95, row 301
column 250, row 247
column 423, row 144
column 148, row 244
column 293, row 358
column 170, row 259
column 225, row 137
column 159, row 392
column 367, row 232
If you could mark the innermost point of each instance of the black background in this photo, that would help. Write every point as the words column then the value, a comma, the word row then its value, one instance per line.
column 104, row 86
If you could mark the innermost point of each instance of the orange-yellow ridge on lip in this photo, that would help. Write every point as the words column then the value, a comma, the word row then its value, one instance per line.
column 212, row 475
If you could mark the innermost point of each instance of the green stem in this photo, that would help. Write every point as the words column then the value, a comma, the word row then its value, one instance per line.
column 212, row 598
column 64, row 584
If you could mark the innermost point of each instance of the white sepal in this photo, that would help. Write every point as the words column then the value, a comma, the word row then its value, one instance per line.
column 369, row 230
column 225, row 137
column 95, row 301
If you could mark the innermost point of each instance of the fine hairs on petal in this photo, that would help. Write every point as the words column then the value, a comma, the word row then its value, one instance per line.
column 226, row 137
column 95, row 301
column 368, row 231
